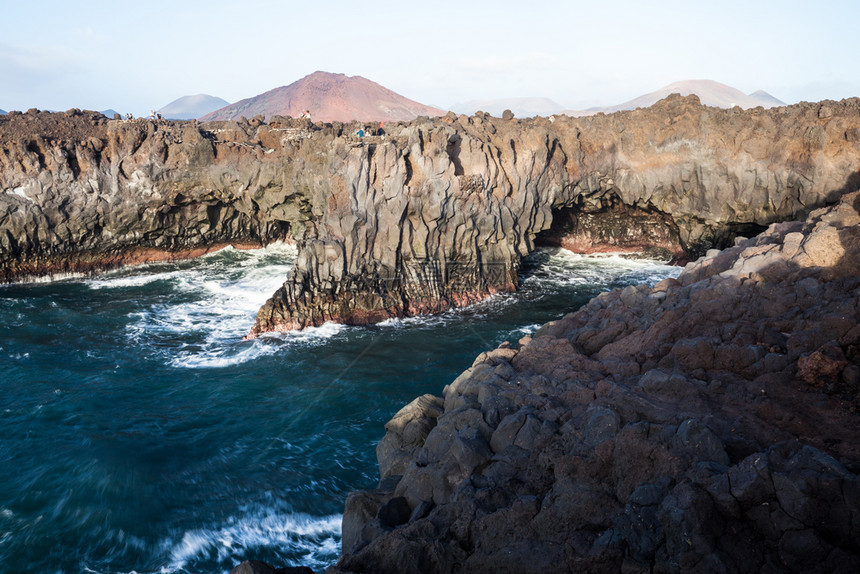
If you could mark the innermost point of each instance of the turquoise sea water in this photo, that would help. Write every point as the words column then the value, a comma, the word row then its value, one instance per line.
column 140, row 433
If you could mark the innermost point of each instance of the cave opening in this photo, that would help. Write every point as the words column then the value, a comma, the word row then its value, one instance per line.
column 608, row 225
column 723, row 237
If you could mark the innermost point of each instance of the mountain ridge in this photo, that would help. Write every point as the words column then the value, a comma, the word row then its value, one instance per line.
column 710, row 93
column 192, row 107
column 329, row 97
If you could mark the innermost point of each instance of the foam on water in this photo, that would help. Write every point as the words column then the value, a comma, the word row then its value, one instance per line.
column 287, row 538
column 312, row 541
column 561, row 267
column 122, row 278
column 308, row 335
column 214, row 303
column 50, row 278
column 221, row 357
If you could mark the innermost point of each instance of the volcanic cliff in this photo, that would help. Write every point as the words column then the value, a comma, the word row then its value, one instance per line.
column 709, row 423
column 438, row 214
column 430, row 215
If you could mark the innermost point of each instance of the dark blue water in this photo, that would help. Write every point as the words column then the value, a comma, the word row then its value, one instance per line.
column 139, row 433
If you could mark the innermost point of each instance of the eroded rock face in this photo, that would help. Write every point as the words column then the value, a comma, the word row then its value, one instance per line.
column 442, row 214
column 435, row 214
column 81, row 193
column 709, row 423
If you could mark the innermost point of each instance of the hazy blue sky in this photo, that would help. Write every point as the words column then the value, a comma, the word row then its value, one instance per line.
column 142, row 55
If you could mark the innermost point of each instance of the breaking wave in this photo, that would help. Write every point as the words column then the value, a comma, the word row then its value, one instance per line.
column 297, row 539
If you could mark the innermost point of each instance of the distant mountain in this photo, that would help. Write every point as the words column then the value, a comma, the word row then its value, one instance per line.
column 2, row 112
column 522, row 107
column 766, row 99
column 710, row 93
column 108, row 113
column 192, row 107
column 329, row 97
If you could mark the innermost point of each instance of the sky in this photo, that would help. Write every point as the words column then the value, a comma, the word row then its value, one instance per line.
column 138, row 56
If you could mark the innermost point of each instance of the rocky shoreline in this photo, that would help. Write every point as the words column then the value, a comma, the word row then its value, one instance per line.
column 436, row 213
column 708, row 423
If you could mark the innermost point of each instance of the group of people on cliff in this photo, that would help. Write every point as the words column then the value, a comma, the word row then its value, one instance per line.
column 371, row 131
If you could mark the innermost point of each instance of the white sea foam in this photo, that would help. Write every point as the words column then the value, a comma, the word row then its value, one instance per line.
column 221, row 357
column 417, row 321
column 562, row 267
column 214, row 301
column 51, row 278
column 308, row 335
column 302, row 539
column 121, row 280
column 315, row 539
column 210, row 306
column 528, row 329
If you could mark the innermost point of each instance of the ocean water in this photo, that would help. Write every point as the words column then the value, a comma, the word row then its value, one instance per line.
column 140, row 433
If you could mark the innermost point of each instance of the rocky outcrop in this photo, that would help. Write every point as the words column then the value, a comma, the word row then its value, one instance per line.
column 708, row 423
column 82, row 193
column 430, row 215
column 442, row 213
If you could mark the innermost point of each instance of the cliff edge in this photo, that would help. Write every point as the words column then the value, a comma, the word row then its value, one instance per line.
column 432, row 214
column 440, row 213
column 709, row 423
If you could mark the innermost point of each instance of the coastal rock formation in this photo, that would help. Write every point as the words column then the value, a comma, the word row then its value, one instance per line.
column 82, row 193
column 441, row 213
column 708, row 423
column 431, row 215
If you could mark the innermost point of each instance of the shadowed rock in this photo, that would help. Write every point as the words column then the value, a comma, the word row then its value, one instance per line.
column 730, row 441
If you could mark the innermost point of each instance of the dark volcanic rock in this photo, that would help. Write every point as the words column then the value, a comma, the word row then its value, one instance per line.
column 442, row 214
column 709, row 423
column 435, row 214
column 82, row 193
